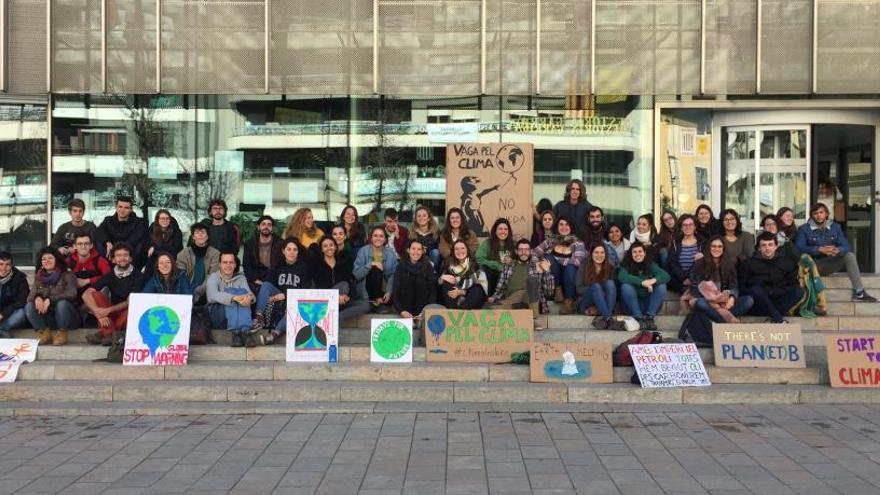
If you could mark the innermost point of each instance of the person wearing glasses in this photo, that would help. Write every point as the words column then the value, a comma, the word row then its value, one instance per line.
column 86, row 263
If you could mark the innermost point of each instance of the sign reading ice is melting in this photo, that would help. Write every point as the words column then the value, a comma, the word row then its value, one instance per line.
column 157, row 331
column 571, row 362
column 478, row 336
column 312, row 325
column 853, row 360
column 669, row 365
column 758, row 346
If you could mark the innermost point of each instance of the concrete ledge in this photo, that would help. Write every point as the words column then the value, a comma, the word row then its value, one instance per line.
column 397, row 392
column 285, row 391
column 828, row 395
column 177, row 392
column 739, row 394
column 326, row 372
column 518, row 392
column 434, row 372
column 509, row 373
column 794, row 376
column 52, row 391
column 623, row 394
column 219, row 370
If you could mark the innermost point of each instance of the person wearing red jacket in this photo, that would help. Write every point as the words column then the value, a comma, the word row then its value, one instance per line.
column 86, row 263
column 397, row 234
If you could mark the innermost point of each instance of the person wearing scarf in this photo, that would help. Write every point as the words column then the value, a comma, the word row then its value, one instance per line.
column 14, row 291
column 198, row 261
column 463, row 285
column 565, row 251
column 230, row 300
column 642, row 286
column 112, row 312
column 51, row 304
column 414, row 284
column 167, row 279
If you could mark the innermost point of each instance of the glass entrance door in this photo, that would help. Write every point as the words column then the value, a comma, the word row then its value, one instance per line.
column 766, row 168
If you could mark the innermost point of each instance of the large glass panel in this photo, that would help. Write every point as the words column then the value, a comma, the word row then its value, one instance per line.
column 684, row 171
column 739, row 161
column 783, row 168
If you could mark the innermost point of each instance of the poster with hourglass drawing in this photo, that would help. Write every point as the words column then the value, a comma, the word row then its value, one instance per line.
column 312, row 325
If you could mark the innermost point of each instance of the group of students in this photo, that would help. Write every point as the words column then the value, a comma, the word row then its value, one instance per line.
column 573, row 257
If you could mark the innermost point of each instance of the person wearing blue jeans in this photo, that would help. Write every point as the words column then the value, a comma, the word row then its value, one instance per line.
column 14, row 291
column 596, row 286
column 291, row 273
column 642, row 285
column 229, row 301
column 565, row 251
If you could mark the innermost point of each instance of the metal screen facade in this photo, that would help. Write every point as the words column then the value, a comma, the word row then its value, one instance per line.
column 26, row 46
column 511, row 42
column 731, row 46
column 786, row 46
column 848, row 46
column 76, row 46
column 565, row 67
column 131, row 46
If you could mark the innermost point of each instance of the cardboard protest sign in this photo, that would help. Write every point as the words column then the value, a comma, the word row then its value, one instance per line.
column 669, row 365
column 157, row 331
column 478, row 336
column 312, row 325
column 391, row 340
column 853, row 359
column 14, row 353
column 758, row 346
column 490, row 181
column 571, row 362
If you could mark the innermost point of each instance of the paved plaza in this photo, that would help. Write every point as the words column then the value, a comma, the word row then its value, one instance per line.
column 723, row 450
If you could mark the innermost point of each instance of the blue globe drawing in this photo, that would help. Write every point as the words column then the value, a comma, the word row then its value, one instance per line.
column 158, row 326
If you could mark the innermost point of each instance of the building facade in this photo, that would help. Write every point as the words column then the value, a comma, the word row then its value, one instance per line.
column 280, row 104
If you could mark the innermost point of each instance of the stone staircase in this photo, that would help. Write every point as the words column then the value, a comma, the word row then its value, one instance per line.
column 221, row 379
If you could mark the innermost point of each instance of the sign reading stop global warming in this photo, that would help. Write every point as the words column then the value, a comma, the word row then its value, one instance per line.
column 157, row 332
column 478, row 336
column 490, row 181
column 391, row 341
column 571, row 362
column 14, row 353
column 758, row 346
column 669, row 365
column 312, row 325
column 853, row 360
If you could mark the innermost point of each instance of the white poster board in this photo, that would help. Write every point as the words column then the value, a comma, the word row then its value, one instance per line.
column 669, row 365
column 391, row 340
column 14, row 353
column 157, row 332
column 312, row 325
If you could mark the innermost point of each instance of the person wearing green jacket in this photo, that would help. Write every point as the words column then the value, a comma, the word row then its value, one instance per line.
column 642, row 285
column 496, row 251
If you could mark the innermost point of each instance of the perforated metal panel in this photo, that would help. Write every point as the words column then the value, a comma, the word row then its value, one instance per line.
column 26, row 46
column 76, row 46
column 731, row 46
column 322, row 47
column 565, row 47
column 131, row 46
column 647, row 46
column 848, row 46
column 211, row 46
column 786, row 46
column 429, row 47
column 511, row 43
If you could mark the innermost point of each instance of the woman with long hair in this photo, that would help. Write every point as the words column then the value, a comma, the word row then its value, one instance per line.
column 165, row 235
column 291, row 273
column 771, row 223
column 738, row 244
column 51, row 304
column 496, row 251
column 302, row 226
column 456, row 228
column 686, row 250
column 645, row 232
column 334, row 270
column 343, row 246
column 617, row 245
column 167, row 278
column 574, row 205
column 565, row 251
column 666, row 235
column 463, row 283
column 642, row 285
column 543, row 229
column 424, row 229
column 354, row 229
column 374, row 269
column 597, row 286
column 786, row 223
column 707, row 224
column 415, row 284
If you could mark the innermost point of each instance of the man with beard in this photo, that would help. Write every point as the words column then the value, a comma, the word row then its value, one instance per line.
column 223, row 234
column 595, row 231
column 262, row 253
column 124, row 226
column 524, row 282
column 112, row 312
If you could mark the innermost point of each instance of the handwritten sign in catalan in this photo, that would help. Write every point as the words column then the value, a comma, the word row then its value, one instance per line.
column 758, row 346
column 477, row 336
column 669, row 365
column 14, row 353
column 571, row 362
column 490, row 181
column 853, row 359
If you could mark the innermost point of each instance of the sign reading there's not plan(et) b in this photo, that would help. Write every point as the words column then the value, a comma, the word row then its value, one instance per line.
column 157, row 331
column 312, row 325
column 758, row 346
column 477, row 336
column 669, row 365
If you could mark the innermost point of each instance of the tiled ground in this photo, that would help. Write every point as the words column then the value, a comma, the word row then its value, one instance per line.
column 767, row 449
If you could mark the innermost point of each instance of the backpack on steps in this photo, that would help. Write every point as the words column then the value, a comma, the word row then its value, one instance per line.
column 621, row 355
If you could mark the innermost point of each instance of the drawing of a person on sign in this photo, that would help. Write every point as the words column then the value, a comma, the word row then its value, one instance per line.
column 509, row 160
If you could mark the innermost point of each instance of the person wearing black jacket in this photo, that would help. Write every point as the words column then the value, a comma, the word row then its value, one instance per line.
column 334, row 270
column 262, row 253
column 14, row 291
column 123, row 226
column 771, row 279
column 292, row 273
column 165, row 236
column 415, row 284
column 223, row 235
column 595, row 231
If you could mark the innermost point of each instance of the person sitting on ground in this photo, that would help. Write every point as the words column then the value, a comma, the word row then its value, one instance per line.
column 642, row 285
column 454, row 230
column 354, row 229
column 666, row 236
column 714, row 291
column 738, row 244
column 395, row 233
column 14, row 290
column 707, row 224
column 66, row 235
column 223, row 235
column 574, row 204
column 524, row 281
column 686, row 250
column 86, row 263
column 335, row 271
column 617, row 245
column 291, row 273
column 825, row 242
column 123, row 226
column 302, row 226
column 230, row 300
column 771, row 279
column 597, row 286
column 166, row 278
column 544, row 228
column 198, row 261
column 463, row 284
column 51, row 303
column 112, row 312
column 496, row 251
column 424, row 229
column 374, row 269
column 262, row 253
column 565, row 251
column 596, row 231
column 165, row 236
column 415, row 284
